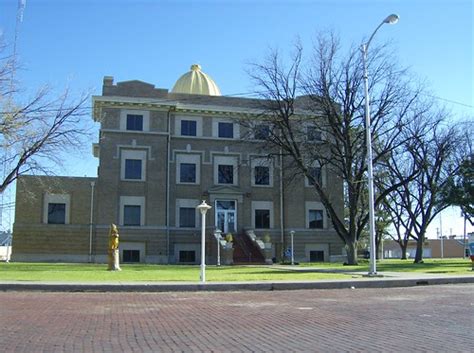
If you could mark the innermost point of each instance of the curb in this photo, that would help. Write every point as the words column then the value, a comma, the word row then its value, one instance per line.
column 237, row 286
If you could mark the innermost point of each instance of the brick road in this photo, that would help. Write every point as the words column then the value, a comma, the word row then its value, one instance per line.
column 422, row 319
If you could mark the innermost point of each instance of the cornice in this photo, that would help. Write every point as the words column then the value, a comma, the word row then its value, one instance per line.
column 157, row 104
column 100, row 102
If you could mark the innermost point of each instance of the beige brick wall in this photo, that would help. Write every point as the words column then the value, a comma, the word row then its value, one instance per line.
column 110, row 187
column 31, row 191
column 41, row 239
column 35, row 240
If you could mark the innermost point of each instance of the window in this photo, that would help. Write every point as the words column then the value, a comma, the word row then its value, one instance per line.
column 187, row 217
column 261, row 170
column 262, row 214
column 262, row 219
column 56, row 208
column 262, row 132
column 130, row 256
column 316, row 256
column 187, row 173
column 135, row 122
column 316, row 219
column 188, row 168
column 262, row 175
column 314, row 134
column 225, row 205
column 315, row 215
column 56, row 213
column 133, row 163
column 188, row 128
column 133, row 169
column 131, row 215
column 315, row 172
column 187, row 256
column 225, row 170
column 226, row 130
column 190, row 125
column 132, row 211
column 318, row 174
column 225, row 174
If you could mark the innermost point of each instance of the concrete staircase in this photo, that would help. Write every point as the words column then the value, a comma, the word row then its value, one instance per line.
column 246, row 252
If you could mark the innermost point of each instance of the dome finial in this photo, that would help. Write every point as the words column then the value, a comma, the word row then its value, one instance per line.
column 195, row 67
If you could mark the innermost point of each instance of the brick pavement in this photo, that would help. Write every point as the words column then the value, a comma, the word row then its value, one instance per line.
column 422, row 319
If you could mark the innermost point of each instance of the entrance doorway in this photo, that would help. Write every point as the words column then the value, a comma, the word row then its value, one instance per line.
column 226, row 215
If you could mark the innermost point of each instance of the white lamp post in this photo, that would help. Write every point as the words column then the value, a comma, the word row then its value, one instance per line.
column 91, row 220
column 392, row 19
column 203, row 208
column 292, row 234
column 217, row 235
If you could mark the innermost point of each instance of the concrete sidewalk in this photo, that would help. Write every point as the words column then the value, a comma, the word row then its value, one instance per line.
column 382, row 280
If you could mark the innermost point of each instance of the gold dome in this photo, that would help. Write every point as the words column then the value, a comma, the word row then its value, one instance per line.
column 196, row 82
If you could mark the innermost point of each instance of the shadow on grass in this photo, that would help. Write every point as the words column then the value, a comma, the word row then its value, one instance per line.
column 289, row 273
column 297, row 272
column 410, row 266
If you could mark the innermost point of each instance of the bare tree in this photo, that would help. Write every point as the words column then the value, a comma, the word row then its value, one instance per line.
column 460, row 189
column 398, row 167
column 36, row 133
column 382, row 224
column 401, row 222
column 435, row 154
column 315, row 111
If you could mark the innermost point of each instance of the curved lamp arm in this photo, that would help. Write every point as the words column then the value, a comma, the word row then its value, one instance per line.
column 391, row 20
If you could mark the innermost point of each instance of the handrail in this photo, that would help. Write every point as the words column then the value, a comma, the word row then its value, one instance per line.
column 257, row 242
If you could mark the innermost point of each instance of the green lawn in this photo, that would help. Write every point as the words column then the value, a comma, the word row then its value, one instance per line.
column 433, row 266
column 303, row 272
column 99, row 273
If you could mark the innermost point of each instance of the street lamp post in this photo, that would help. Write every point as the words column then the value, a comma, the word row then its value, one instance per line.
column 203, row 208
column 217, row 235
column 392, row 19
column 91, row 225
column 292, row 234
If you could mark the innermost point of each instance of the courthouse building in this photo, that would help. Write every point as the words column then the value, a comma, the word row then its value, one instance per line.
column 160, row 154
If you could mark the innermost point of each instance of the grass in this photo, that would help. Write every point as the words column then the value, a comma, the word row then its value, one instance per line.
column 59, row 272
column 433, row 266
column 151, row 273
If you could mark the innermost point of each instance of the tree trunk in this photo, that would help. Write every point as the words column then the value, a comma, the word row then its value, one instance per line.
column 419, row 249
column 351, row 248
column 378, row 243
column 403, row 246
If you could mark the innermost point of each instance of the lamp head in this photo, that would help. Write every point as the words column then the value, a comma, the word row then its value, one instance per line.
column 392, row 19
column 203, row 207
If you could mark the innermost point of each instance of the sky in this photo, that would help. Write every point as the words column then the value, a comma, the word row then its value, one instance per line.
column 74, row 43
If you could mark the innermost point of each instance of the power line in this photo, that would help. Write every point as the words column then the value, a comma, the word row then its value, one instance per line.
column 449, row 100
column 198, row 98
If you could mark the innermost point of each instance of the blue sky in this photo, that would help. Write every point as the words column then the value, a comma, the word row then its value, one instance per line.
column 75, row 43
